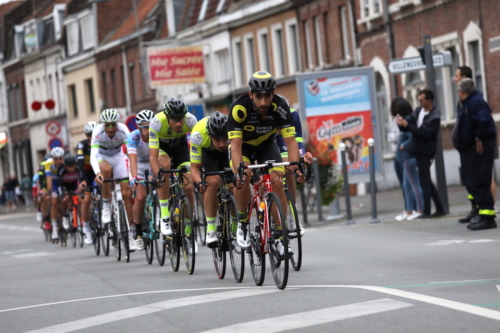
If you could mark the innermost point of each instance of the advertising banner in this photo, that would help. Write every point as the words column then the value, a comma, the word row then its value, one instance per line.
column 179, row 65
column 339, row 108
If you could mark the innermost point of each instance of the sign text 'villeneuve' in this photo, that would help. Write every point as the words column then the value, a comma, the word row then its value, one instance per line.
column 180, row 65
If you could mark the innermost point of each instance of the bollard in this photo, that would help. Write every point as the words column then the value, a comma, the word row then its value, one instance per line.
column 334, row 211
column 318, row 191
column 371, row 156
column 346, row 185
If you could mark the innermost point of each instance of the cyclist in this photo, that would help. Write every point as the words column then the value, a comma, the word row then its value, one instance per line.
column 209, row 149
column 52, row 180
column 254, row 119
column 68, row 182
column 86, row 177
column 107, row 158
column 138, row 153
column 290, row 181
column 169, row 148
column 41, row 186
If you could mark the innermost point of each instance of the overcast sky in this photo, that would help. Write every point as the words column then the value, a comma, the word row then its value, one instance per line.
column 4, row 1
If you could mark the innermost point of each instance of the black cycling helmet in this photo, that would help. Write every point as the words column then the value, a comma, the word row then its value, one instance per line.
column 175, row 108
column 217, row 125
column 69, row 160
column 262, row 82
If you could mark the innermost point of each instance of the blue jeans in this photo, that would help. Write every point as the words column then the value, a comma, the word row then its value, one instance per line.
column 398, row 167
column 411, row 186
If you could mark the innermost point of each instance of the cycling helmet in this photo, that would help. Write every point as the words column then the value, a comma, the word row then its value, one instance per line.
column 175, row 108
column 217, row 125
column 89, row 127
column 109, row 116
column 69, row 159
column 145, row 116
column 262, row 82
column 57, row 152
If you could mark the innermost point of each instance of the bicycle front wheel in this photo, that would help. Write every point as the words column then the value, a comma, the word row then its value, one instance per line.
column 79, row 227
column 278, row 243
column 96, row 231
column 256, row 257
column 124, row 231
column 189, row 235
column 294, row 238
column 200, row 218
column 174, row 242
column 236, row 254
column 146, row 236
column 72, row 230
column 159, row 239
column 218, row 252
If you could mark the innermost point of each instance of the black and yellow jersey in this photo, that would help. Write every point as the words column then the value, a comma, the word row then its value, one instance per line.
column 255, row 129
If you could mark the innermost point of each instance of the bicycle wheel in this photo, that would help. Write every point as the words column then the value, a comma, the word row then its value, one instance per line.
column 148, row 242
column 218, row 252
column 105, row 239
column 173, row 241
column 188, row 239
column 96, row 231
column 256, row 258
column 79, row 232
column 200, row 218
column 294, row 238
column 160, row 240
column 72, row 230
column 278, row 242
column 124, row 231
column 116, row 240
column 236, row 254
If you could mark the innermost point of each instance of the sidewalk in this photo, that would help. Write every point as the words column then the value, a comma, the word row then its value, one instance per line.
column 389, row 204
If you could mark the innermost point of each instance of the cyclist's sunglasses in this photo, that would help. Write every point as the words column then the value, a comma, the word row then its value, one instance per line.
column 110, row 125
column 176, row 119
column 57, row 158
column 145, row 126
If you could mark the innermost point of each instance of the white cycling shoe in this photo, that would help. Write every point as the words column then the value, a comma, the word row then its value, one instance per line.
column 243, row 236
column 281, row 249
column 211, row 238
column 131, row 243
column 106, row 215
column 54, row 233
column 188, row 245
column 39, row 216
column 165, row 227
column 65, row 222
column 139, row 244
column 88, row 237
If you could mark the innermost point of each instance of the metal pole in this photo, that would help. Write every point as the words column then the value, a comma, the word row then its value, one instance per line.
column 438, row 159
column 372, row 181
column 318, row 191
column 304, row 204
column 346, row 185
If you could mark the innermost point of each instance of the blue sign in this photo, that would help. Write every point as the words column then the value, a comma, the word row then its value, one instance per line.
column 197, row 111
column 55, row 142
column 131, row 124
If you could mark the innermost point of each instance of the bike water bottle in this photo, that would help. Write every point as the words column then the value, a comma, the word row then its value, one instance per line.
column 176, row 214
column 260, row 211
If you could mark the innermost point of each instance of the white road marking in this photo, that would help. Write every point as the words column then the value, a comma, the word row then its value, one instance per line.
column 152, row 308
column 316, row 317
column 16, row 216
column 446, row 242
column 481, row 241
column 464, row 281
column 19, row 228
column 472, row 309
column 33, row 255
column 14, row 252
column 498, row 287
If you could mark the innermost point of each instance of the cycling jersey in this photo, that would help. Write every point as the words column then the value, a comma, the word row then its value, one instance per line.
column 104, row 148
column 136, row 145
column 42, row 180
column 51, row 169
column 298, row 136
column 83, row 157
column 160, row 131
column 255, row 129
column 200, row 140
column 68, row 181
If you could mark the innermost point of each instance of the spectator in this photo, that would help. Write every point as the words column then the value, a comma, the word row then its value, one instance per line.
column 10, row 196
column 392, row 137
column 425, row 133
column 26, row 189
column 474, row 137
column 411, row 185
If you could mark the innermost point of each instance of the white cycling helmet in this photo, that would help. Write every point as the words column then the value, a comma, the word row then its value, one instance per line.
column 57, row 152
column 145, row 116
column 89, row 127
column 109, row 116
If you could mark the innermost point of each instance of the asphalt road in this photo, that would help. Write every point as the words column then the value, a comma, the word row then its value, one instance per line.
column 419, row 276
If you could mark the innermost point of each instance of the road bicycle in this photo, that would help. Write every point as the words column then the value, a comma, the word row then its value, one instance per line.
column 199, row 217
column 100, row 238
column 180, row 215
column 268, row 229
column 118, row 229
column 75, row 229
column 227, row 215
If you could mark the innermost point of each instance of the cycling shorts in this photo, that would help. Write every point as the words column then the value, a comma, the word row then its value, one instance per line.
column 261, row 154
column 141, row 170
column 66, row 188
column 179, row 154
column 118, row 162
column 214, row 160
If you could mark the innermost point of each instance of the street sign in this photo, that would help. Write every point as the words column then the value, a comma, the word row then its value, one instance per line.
column 130, row 122
column 55, row 142
column 53, row 128
column 407, row 65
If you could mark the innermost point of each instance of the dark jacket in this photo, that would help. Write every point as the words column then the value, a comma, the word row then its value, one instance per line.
column 474, row 120
column 406, row 140
column 425, row 136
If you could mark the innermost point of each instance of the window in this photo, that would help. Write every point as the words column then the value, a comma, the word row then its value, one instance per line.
column 265, row 63
column 326, row 33
column 114, row 92
column 383, row 110
column 319, row 47
column 453, row 69
column 366, row 8
column 222, row 61
column 279, row 51
column 238, row 64
column 293, row 45
column 104, row 90
column 73, row 38
column 122, row 86
column 344, row 31
column 89, row 87
column 48, row 35
column 476, row 65
column 307, row 33
column 72, row 100
column 250, row 52
column 19, row 103
column 12, row 105
column 87, row 25
column 370, row 8
column 23, row 100
column 133, row 83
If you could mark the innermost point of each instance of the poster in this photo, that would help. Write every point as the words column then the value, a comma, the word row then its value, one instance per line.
column 339, row 108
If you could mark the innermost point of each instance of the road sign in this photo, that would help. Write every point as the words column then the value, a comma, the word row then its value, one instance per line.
column 53, row 128
column 55, row 142
column 406, row 65
column 130, row 122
